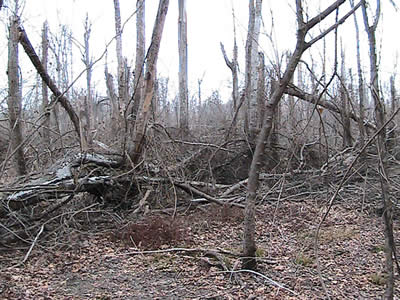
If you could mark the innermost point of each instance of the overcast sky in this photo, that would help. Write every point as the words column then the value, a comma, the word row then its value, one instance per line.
column 209, row 23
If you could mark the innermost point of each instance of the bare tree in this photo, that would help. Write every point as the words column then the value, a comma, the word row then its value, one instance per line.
column 14, row 98
column 135, row 151
column 183, row 66
column 382, row 150
column 249, row 245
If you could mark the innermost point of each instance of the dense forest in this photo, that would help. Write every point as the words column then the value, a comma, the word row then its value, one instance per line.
column 141, row 185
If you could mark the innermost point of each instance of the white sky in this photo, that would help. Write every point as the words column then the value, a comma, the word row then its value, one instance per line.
column 209, row 23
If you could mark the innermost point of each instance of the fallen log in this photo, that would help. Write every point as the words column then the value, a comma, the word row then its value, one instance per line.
column 80, row 173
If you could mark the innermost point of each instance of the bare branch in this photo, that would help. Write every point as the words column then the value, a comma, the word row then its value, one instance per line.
column 227, row 61
column 334, row 26
column 316, row 20
column 30, row 51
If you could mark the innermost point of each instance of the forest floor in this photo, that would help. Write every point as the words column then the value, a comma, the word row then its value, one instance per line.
column 97, row 265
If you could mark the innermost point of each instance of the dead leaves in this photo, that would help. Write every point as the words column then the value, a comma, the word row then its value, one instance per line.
column 97, row 268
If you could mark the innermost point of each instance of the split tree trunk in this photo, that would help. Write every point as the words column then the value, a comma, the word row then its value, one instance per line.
column 144, row 114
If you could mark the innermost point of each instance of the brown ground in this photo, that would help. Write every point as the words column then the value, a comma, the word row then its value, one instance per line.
column 97, row 266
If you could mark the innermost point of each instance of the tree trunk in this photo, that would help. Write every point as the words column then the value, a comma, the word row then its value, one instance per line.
column 361, row 92
column 113, row 102
column 382, row 150
column 249, row 245
column 233, row 65
column 14, row 99
column 144, row 114
column 392, row 136
column 122, row 84
column 347, row 139
column 251, row 70
column 140, row 57
column 85, row 119
column 45, row 92
column 183, row 66
column 261, row 90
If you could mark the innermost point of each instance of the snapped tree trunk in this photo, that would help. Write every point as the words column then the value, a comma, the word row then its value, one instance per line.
column 113, row 101
column 14, row 99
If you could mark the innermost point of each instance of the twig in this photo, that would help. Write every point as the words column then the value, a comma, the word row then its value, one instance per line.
column 189, row 189
column 31, row 247
column 273, row 282
column 181, row 250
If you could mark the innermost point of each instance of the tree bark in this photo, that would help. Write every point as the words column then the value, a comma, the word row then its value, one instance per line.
column 14, row 99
